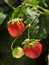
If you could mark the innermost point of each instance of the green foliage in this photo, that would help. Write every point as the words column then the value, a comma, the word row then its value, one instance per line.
column 34, row 2
column 42, row 1
column 19, row 12
column 45, row 23
column 2, row 17
column 39, row 27
column 1, row 9
column 28, row 14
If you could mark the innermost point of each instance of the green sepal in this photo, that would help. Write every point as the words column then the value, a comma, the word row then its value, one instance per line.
column 15, row 20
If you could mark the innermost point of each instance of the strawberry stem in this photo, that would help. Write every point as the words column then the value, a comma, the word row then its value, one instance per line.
column 34, row 20
column 27, row 26
column 18, row 37
column 25, row 5
column 7, row 2
column 29, row 32
column 13, row 43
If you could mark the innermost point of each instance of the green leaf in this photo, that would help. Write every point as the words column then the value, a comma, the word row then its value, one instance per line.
column 1, row 9
column 41, row 0
column 2, row 17
column 47, row 1
column 4, row 23
column 39, row 27
column 34, row 2
column 30, row 15
column 40, row 30
column 45, row 23
column 19, row 12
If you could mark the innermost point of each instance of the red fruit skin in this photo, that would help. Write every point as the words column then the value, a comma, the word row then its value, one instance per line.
column 33, row 52
column 22, row 25
column 15, row 29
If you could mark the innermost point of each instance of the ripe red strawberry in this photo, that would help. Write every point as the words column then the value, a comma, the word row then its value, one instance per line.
column 16, row 28
column 33, row 51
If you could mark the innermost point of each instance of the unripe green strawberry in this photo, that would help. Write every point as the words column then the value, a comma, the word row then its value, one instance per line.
column 17, row 52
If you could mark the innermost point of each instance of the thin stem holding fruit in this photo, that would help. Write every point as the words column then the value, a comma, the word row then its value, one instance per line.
column 7, row 2
column 13, row 43
column 27, row 26
column 17, row 37
column 29, row 31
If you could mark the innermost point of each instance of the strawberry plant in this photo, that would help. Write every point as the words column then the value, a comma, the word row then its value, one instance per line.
column 24, row 30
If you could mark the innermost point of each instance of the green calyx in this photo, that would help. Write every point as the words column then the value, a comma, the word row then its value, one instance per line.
column 15, row 20
column 34, row 42
column 26, row 41
column 29, row 42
